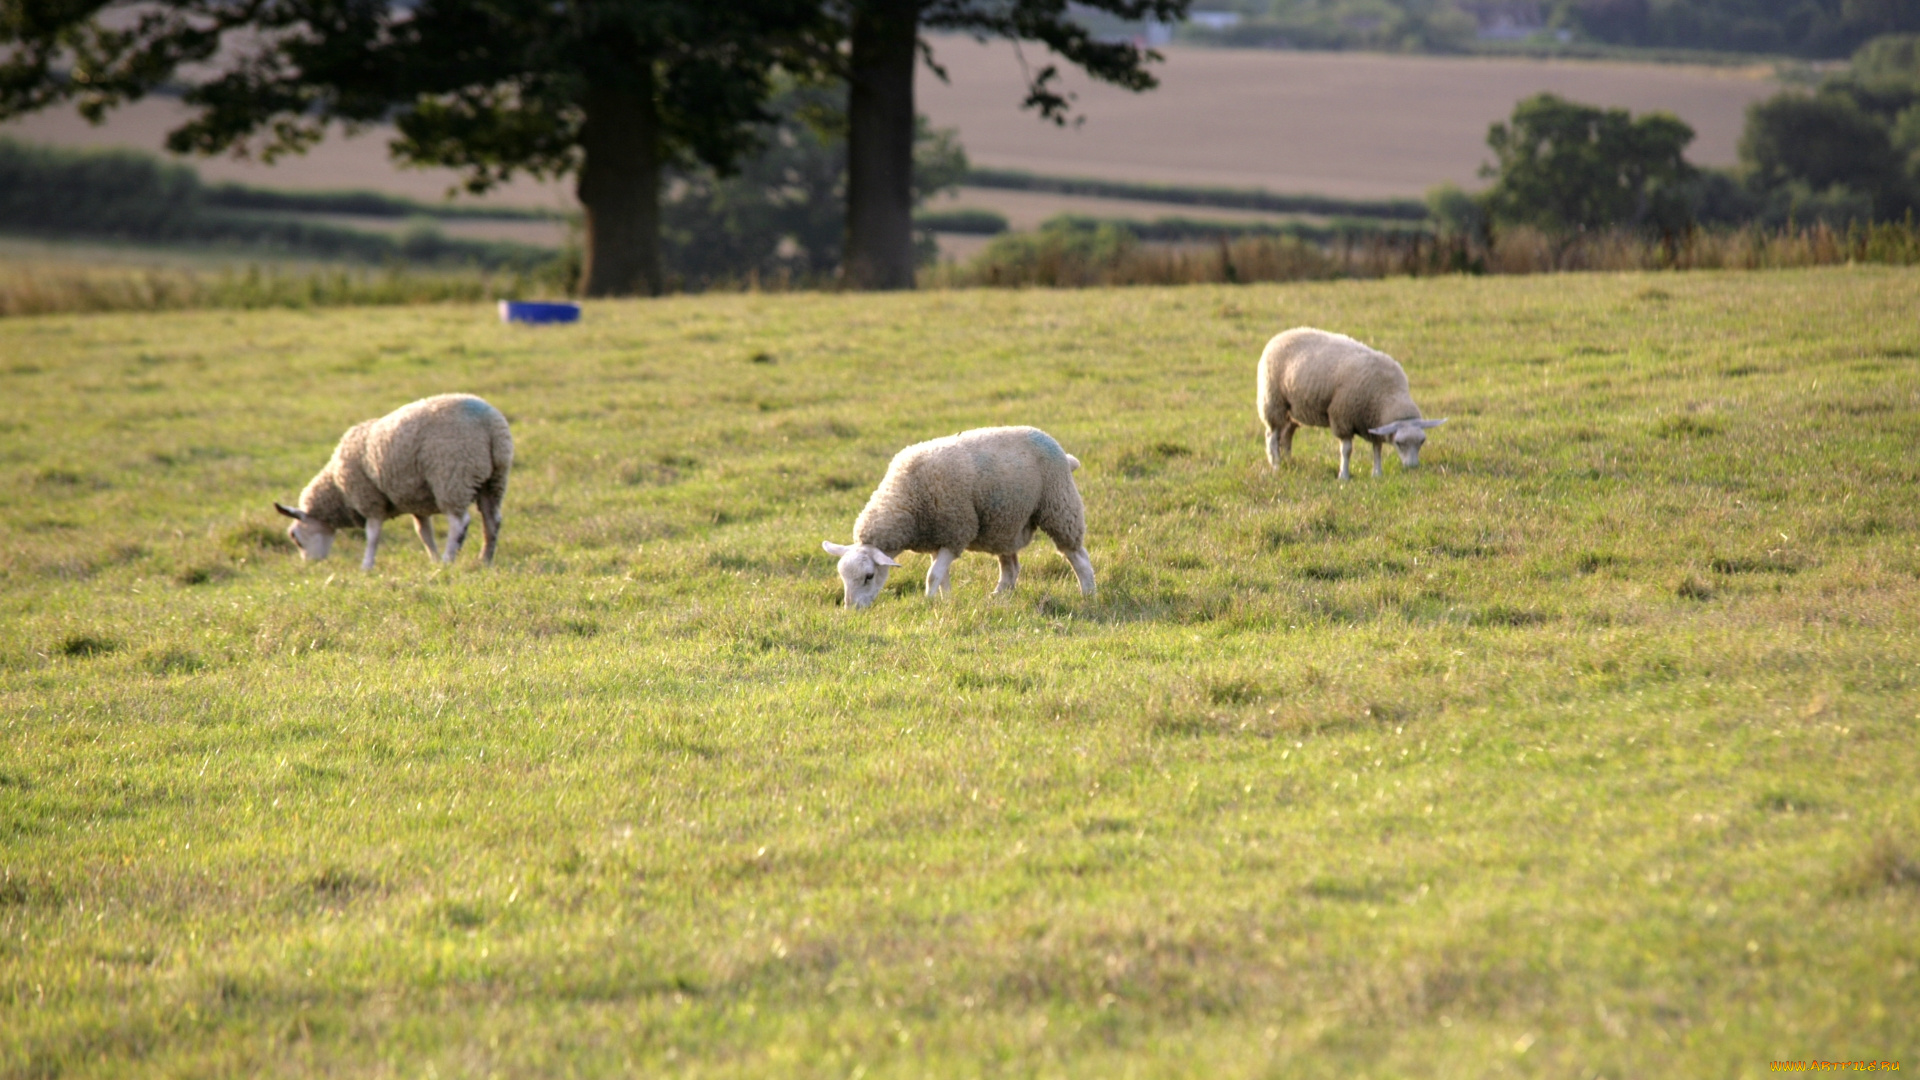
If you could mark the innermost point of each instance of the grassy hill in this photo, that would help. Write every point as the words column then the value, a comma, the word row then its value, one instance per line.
column 1588, row 749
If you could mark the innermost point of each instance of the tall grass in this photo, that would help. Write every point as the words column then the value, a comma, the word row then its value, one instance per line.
column 41, row 289
column 1049, row 258
column 1750, row 248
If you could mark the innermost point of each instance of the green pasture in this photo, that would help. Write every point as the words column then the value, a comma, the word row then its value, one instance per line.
column 1587, row 750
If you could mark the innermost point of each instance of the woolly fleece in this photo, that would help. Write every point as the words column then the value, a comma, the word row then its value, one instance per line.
column 1322, row 379
column 982, row 490
column 437, row 455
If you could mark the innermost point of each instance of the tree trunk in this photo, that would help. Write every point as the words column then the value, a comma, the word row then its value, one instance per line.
column 880, row 144
column 619, row 189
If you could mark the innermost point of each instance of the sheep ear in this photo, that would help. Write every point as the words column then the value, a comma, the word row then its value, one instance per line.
column 1431, row 423
column 1387, row 431
column 883, row 558
column 836, row 550
column 297, row 515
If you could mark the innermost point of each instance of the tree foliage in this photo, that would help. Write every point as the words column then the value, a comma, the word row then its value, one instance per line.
column 1822, row 140
column 1564, row 167
column 1811, row 28
column 783, row 214
column 883, row 41
column 610, row 90
column 1890, row 59
column 1807, row 28
column 1120, row 63
column 1849, row 150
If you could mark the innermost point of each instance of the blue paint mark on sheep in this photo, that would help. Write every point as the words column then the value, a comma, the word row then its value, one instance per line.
column 477, row 409
column 1047, row 447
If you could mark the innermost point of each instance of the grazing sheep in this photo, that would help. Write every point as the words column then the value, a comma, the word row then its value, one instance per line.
column 1311, row 378
column 438, row 455
column 981, row 490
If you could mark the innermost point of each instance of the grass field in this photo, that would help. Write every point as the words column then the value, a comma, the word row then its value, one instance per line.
column 1588, row 750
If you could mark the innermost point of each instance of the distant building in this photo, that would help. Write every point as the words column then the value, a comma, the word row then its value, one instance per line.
column 1214, row 20
column 1105, row 27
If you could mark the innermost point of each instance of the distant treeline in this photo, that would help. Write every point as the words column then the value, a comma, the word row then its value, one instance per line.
column 1847, row 153
column 970, row 221
column 1226, row 198
column 1814, row 29
column 1177, row 230
column 359, row 204
column 133, row 197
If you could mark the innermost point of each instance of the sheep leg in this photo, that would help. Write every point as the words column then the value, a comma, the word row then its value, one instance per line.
column 1346, row 456
column 423, row 524
column 1376, row 459
column 456, row 534
column 489, row 507
column 937, row 574
column 373, row 543
column 1280, row 442
column 1082, row 569
column 1009, row 574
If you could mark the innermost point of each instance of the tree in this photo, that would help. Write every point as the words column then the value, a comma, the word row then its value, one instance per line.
column 1851, row 149
column 1810, row 28
column 1822, row 142
column 883, row 48
column 1890, row 58
column 608, row 90
column 1621, row 22
column 1848, row 150
column 1564, row 167
column 784, row 214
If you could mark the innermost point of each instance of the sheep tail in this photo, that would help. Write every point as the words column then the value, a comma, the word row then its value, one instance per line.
column 1073, row 463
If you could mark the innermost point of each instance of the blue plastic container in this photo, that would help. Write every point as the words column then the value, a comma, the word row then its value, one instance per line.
column 538, row 312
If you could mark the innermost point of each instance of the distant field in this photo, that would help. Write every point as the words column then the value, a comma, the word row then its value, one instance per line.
column 1587, row 750
column 1348, row 124
column 338, row 163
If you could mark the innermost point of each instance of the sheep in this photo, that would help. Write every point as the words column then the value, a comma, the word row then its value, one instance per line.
column 981, row 490
column 1312, row 378
column 437, row 455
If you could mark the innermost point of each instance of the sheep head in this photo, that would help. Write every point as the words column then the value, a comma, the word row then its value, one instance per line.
column 863, row 571
column 314, row 539
column 1407, row 436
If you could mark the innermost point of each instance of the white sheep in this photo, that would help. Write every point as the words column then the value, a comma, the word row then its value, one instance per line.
column 981, row 490
column 1312, row 378
column 437, row 455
